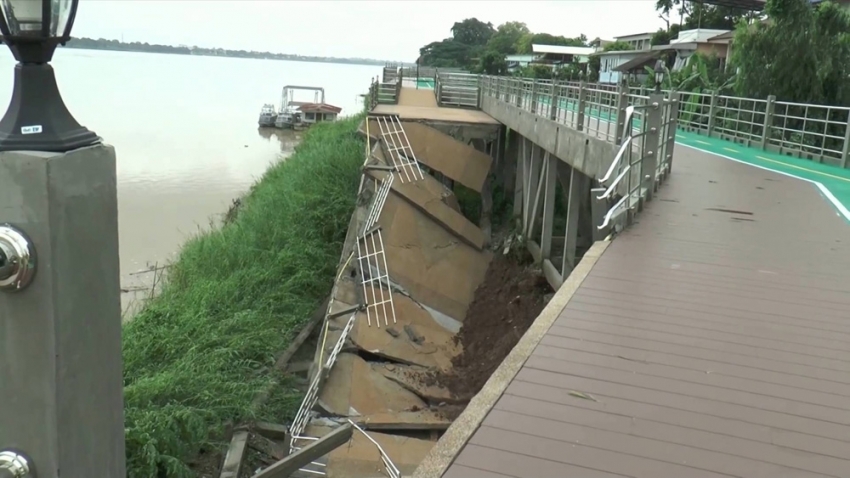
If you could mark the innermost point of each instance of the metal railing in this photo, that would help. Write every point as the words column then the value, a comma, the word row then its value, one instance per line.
column 643, row 126
column 457, row 89
column 816, row 132
column 384, row 93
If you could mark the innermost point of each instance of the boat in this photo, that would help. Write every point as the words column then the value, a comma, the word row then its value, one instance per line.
column 295, row 114
column 268, row 115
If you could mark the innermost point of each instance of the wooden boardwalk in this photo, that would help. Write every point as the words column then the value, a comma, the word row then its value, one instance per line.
column 422, row 105
column 711, row 339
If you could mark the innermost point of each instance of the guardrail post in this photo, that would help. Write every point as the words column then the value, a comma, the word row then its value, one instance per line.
column 712, row 112
column 622, row 104
column 671, row 132
column 519, row 89
column 533, row 106
column 768, row 121
column 553, row 101
column 845, row 152
column 582, row 101
column 651, row 145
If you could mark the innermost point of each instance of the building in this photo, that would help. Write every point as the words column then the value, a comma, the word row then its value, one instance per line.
column 552, row 56
column 317, row 112
column 516, row 62
column 705, row 41
column 638, row 41
column 557, row 56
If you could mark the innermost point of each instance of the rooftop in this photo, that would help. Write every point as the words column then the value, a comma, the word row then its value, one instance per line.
column 563, row 50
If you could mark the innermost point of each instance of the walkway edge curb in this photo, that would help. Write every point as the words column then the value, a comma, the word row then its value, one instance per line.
column 443, row 454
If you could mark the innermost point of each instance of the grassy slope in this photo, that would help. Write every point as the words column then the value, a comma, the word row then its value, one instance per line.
column 197, row 356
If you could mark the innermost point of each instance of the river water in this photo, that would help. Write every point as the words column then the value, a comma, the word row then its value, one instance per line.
column 186, row 136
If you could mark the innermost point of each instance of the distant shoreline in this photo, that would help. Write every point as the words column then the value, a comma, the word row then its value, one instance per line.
column 137, row 47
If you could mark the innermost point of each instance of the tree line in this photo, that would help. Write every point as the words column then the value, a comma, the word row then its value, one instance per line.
column 115, row 45
column 793, row 50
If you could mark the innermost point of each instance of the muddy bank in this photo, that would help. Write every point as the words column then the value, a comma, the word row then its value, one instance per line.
column 511, row 297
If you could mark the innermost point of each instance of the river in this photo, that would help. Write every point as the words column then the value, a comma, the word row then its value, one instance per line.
column 186, row 136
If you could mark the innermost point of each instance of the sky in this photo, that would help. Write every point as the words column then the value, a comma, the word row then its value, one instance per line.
column 385, row 30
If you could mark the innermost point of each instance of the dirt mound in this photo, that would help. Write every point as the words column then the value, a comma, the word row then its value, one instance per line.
column 505, row 305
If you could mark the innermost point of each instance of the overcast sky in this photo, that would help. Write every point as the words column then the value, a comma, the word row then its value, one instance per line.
column 386, row 30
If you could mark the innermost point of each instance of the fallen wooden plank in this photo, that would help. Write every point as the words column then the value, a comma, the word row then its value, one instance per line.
column 308, row 454
column 233, row 460
column 299, row 340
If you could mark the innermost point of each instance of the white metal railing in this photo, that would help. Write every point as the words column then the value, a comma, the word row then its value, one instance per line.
column 398, row 148
column 817, row 132
column 457, row 89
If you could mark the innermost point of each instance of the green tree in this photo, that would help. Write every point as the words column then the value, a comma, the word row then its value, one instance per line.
column 492, row 63
column 445, row 53
column 699, row 15
column 802, row 55
column 525, row 43
column 663, row 37
column 472, row 32
column 507, row 37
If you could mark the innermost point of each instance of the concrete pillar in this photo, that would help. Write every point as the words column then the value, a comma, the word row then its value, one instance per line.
column 519, row 184
column 672, row 128
column 768, row 121
column 550, row 168
column 652, row 143
column 60, row 338
column 712, row 112
column 534, row 90
column 582, row 101
column 845, row 152
column 622, row 104
column 510, row 155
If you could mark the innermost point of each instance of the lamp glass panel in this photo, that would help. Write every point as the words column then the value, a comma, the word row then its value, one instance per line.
column 23, row 16
column 60, row 12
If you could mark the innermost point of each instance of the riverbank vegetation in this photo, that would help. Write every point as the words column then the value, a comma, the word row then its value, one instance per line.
column 197, row 356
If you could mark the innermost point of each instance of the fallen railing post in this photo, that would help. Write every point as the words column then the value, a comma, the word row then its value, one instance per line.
column 310, row 453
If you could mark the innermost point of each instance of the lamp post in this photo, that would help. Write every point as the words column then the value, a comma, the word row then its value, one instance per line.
column 37, row 119
column 61, row 404
column 659, row 75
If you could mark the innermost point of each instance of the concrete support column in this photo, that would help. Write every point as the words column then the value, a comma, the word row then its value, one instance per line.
column 510, row 160
column 622, row 104
column 651, row 143
column 712, row 113
column 582, row 101
column 520, row 178
column 550, row 168
column 768, row 121
column 672, row 128
column 534, row 91
column 60, row 338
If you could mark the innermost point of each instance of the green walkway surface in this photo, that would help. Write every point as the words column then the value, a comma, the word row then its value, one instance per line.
column 833, row 182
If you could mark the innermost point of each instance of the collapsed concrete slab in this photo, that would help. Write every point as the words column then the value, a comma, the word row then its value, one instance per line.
column 410, row 268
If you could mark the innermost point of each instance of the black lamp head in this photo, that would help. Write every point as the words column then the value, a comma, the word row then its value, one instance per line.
column 33, row 28
column 37, row 119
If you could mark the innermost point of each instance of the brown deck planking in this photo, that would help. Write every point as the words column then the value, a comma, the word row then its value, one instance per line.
column 703, row 343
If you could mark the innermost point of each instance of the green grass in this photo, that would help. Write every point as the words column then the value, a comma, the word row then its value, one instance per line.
column 197, row 356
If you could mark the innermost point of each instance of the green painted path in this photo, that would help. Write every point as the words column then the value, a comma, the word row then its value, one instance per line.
column 833, row 182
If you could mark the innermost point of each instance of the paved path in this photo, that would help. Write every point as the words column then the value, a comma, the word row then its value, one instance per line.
column 711, row 339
